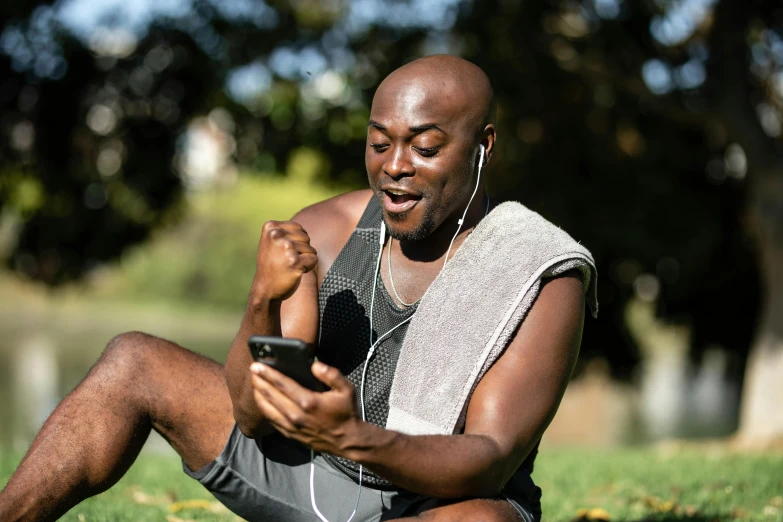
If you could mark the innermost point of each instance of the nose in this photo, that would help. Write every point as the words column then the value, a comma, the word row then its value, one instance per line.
column 399, row 164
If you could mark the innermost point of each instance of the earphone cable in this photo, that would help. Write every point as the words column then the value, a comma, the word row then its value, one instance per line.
column 462, row 220
column 373, row 346
column 361, row 400
column 361, row 386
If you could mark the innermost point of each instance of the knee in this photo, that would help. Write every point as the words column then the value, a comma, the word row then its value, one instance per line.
column 495, row 511
column 128, row 355
column 483, row 510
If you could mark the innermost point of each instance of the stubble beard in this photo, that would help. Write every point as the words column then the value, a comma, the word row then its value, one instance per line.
column 428, row 223
column 422, row 230
column 425, row 227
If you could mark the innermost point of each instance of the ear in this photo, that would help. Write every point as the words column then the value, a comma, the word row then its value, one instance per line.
column 488, row 137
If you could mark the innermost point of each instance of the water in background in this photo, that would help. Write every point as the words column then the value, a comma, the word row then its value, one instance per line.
column 187, row 284
column 47, row 347
column 48, row 344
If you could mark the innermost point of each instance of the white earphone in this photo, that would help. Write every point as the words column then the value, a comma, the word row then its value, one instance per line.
column 462, row 219
column 373, row 346
column 370, row 353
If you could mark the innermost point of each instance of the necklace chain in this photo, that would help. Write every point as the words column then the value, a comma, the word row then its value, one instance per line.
column 391, row 279
column 389, row 263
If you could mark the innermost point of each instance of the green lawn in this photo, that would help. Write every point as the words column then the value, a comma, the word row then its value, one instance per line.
column 621, row 485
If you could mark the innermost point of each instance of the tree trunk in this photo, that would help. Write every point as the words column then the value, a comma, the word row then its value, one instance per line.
column 732, row 93
column 761, row 414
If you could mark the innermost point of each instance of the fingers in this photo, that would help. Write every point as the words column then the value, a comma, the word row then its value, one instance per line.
column 284, row 255
column 307, row 262
column 303, row 248
column 302, row 256
column 297, row 243
column 331, row 377
column 274, row 393
column 292, row 227
column 271, row 413
column 317, row 420
column 300, row 262
column 294, row 393
column 289, row 229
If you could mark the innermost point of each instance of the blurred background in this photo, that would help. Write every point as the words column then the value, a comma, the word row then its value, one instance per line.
column 143, row 144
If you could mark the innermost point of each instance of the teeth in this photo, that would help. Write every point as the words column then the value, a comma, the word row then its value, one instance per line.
column 397, row 192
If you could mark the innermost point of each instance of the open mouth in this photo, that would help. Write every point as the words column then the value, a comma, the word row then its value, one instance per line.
column 397, row 201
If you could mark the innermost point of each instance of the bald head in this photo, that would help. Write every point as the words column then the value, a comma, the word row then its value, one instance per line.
column 456, row 85
column 429, row 122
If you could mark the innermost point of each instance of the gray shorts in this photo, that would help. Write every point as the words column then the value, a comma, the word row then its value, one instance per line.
column 268, row 479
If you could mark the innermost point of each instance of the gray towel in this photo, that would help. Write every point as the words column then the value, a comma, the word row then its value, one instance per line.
column 470, row 312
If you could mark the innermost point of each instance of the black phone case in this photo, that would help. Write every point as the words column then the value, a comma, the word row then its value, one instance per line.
column 288, row 356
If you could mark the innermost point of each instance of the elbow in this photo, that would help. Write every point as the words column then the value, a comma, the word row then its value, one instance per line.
column 489, row 485
column 476, row 487
column 490, row 481
column 501, row 465
column 247, row 429
column 246, row 416
column 251, row 426
column 244, row 423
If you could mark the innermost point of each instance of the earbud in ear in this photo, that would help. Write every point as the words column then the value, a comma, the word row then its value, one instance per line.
column 481, row 158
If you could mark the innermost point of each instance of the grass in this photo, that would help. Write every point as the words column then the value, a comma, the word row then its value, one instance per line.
column 618, row 485
column 154, row 489
column 658, row 485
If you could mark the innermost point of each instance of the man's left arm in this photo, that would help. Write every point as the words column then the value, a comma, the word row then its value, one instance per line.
column 508, row 412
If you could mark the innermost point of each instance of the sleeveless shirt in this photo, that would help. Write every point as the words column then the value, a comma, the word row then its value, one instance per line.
column 344, row 338
column 344, row 303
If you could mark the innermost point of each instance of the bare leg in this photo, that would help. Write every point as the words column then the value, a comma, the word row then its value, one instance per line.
column 476, row 510
column 92, row 438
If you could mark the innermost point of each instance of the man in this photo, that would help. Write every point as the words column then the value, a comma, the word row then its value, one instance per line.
column 428, row 124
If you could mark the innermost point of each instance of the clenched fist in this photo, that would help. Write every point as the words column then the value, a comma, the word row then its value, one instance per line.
column 284, row 254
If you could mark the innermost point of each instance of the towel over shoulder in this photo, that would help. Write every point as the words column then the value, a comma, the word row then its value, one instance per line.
column 471, row 311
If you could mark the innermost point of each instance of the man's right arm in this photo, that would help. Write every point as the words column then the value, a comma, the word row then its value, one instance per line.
column 283, row 298
column 284, row 278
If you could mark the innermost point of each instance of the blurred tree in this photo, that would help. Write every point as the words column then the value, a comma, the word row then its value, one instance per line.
column 84, row 131
column 649, row 130
column 650, row 134
column 745, row 96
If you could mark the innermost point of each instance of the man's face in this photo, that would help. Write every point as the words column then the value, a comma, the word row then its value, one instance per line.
column 420, row 156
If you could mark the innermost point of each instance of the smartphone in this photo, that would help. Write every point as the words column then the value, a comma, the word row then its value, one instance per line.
column 290, row 357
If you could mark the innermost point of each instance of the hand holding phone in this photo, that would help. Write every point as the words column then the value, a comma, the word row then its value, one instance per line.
column 288, row 356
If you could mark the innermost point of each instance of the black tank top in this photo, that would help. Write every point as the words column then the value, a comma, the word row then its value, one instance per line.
column 344, row 302
column 344, row 340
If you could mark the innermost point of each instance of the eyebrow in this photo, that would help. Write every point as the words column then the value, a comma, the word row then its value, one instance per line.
column 416, row 129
